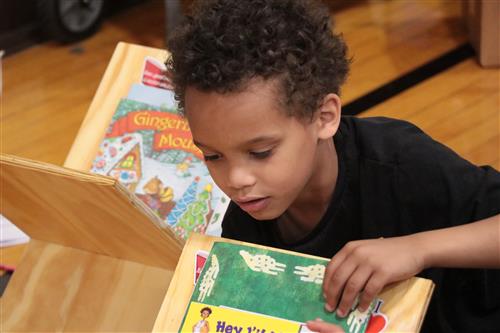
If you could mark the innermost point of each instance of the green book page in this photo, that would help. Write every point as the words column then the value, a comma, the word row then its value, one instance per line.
column 254, row 290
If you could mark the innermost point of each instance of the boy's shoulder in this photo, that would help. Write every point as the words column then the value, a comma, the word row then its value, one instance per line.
column 383, row 139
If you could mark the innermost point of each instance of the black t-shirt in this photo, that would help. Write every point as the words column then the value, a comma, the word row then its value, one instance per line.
column 395, row 180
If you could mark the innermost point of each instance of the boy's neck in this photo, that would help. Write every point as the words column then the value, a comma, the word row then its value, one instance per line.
column 306, row 211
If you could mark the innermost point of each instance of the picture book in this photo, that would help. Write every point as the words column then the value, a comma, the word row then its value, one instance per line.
column 246, row 289
column 149, row 149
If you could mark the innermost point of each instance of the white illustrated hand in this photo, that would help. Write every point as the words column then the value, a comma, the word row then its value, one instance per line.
column 262, row 263
column 356, row 319
column 208, row 282
column 313, row 273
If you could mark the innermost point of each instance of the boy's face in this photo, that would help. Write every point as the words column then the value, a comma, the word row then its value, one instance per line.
column 260, row 157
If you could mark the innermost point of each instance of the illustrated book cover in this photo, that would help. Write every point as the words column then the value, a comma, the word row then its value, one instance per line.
column 148, row 147
column 245, row 289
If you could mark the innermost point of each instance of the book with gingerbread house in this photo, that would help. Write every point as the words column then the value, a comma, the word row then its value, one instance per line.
column 148, row 147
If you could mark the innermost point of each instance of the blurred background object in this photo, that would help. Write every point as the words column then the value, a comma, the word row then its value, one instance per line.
column 24, row 23
column 27, row 22
column 69, row 20
column 482, row 18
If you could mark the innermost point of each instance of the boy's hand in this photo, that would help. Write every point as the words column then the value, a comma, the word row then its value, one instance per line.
column 320, row 326
column 364, row 267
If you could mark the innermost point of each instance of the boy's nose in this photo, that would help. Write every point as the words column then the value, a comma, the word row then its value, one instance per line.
column 240, row 177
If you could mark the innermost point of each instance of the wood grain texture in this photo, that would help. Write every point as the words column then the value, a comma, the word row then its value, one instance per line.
column 459, row 108
column 387, row 39
column 11, row 255
column 57, row 288
column 405, row 303
column 84, row 211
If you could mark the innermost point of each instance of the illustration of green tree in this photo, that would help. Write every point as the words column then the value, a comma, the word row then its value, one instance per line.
column 182, row 205
column 195, row 218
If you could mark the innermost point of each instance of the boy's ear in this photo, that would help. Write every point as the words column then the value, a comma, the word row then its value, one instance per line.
column 328, row 116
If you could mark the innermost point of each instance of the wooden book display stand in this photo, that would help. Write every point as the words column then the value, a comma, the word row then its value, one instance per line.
column 97, row 259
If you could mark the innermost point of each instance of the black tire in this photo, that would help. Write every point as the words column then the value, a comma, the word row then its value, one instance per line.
column 69, row 20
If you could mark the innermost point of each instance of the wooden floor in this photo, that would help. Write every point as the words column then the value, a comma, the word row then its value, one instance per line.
column 390, row 38
column 48, row 88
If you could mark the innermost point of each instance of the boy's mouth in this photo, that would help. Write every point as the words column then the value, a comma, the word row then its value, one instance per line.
column 252, row 205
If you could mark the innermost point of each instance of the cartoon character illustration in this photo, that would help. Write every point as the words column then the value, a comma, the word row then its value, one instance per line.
column 202, row 325
column 182, row 169
column 158, row 197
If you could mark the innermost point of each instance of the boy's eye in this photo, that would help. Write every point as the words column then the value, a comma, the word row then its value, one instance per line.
column 209, row 158
column 261, row 154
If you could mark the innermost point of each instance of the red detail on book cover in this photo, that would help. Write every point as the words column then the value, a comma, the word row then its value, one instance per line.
column 200, row 262
column 154, row 75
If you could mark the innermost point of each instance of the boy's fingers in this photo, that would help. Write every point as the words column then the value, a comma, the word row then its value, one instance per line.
column 337, row 283
column 331, row 268
column 323, row 327
column 352, row 289
column 372, row 289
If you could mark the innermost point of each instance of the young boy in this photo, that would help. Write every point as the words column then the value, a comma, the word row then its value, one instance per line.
column 259, row 82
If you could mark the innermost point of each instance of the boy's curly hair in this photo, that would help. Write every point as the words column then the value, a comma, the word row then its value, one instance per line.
column 225, row 43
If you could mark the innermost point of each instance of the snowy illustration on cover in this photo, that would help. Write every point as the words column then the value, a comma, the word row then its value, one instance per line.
column 149, row 149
